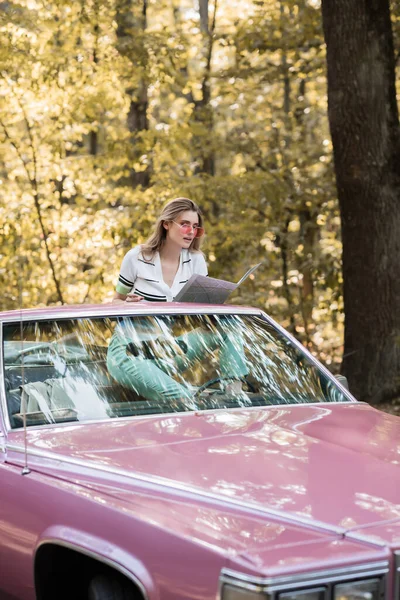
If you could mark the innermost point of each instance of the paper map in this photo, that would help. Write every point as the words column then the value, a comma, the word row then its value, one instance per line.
column 208, row 290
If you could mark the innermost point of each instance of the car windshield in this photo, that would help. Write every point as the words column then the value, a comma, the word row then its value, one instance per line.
column 101, row 368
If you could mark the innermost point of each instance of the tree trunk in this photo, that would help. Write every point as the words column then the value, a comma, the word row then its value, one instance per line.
column 364, row 125
column 308, row 233
column 203, row 111
column 130, row 30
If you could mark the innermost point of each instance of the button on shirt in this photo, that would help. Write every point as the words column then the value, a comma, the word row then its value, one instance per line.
column 144, row 277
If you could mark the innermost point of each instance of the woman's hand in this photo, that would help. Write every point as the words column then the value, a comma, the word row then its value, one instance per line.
column 133, row 298
column 121, row 298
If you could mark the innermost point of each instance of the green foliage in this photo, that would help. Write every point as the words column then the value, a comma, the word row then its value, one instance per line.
column 108, row 109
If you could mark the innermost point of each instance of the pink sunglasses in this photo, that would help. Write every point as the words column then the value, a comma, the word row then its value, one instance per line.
column 187, row 228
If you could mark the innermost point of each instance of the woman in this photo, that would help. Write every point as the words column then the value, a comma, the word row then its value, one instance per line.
column 158, row 269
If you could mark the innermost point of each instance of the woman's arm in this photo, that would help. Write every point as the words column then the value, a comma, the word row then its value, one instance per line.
column 118, row 298
column 127, row 277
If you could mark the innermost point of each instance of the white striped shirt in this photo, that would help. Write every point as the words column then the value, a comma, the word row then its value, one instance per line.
column 145, row 278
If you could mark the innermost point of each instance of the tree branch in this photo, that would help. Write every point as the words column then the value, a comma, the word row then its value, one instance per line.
column 33, row 180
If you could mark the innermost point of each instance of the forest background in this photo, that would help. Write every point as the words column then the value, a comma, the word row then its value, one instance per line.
column 109, row 108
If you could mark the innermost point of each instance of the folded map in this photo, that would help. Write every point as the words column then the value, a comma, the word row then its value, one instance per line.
column 207, row 290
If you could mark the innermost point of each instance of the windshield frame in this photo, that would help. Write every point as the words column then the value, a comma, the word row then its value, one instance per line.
column 115, row 311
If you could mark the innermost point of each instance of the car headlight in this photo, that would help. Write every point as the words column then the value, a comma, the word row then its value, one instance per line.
column 353, row 590
column 231, row 592
column 335, row 584
column 358, row 590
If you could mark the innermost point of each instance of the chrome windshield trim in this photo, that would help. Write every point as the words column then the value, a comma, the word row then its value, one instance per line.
column 148, row 309
column 270, row 585
column 396, row 593
column 154, row 480
column 98, row 557
column 118, row 310
column 115, row 311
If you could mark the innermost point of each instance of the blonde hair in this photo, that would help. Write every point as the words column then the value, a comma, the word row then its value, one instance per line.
column 170, row 212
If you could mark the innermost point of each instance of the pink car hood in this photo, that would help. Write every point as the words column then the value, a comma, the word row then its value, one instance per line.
column 333, row 465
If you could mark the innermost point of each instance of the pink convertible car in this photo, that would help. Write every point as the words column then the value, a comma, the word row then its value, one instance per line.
column 172, row 451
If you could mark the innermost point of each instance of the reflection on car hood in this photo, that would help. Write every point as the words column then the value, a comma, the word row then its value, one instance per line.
column 335, row 464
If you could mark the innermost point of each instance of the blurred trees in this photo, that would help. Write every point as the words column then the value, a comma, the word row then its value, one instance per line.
column 364, row 123
column 110, row 108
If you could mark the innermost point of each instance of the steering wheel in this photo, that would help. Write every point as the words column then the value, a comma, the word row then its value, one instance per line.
column 32, row 348
column 211, row 382
column 29, row 355
column 42, row 354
